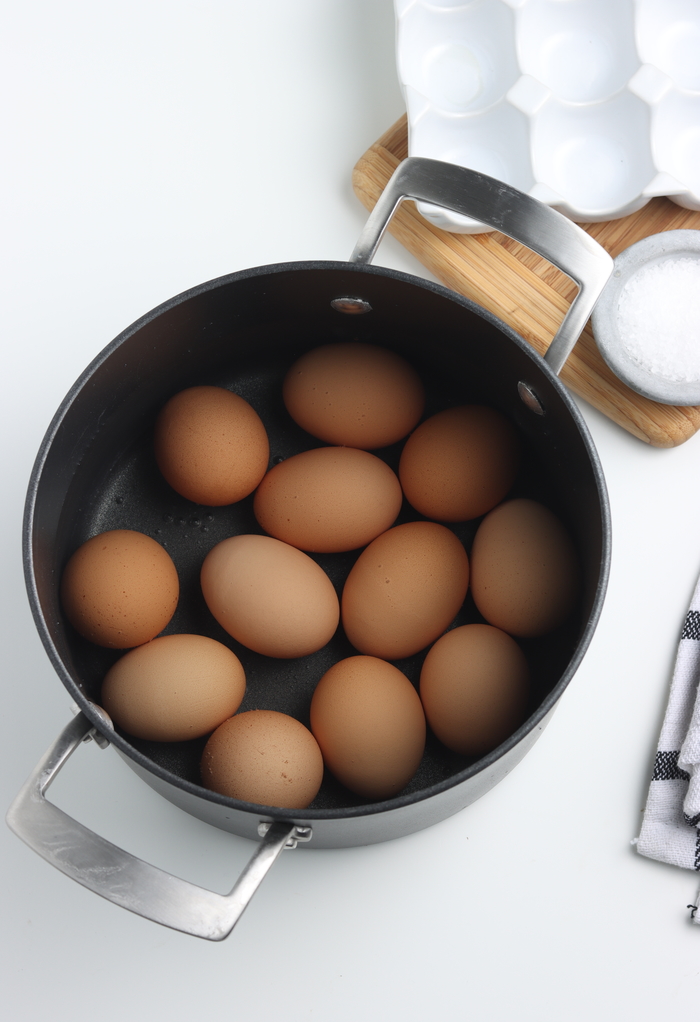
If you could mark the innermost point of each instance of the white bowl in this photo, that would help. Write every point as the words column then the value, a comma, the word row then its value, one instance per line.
column 632, row 317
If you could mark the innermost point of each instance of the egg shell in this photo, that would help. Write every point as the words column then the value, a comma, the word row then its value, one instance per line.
column 329, row 499
column 460, row 463
column 354, row 395
column 474, row 687
column 211, row 445
column 270, row 596
column 174, row 688
column 369, row 722
column 525, row 574
column 404, row 590
column 265, row 757
column 120, row 589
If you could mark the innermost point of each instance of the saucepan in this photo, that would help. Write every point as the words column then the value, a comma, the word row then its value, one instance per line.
column 95, row 471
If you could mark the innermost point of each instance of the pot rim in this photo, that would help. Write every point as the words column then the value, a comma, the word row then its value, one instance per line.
column 369, row 809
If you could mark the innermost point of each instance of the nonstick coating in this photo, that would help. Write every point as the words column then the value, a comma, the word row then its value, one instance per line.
column 96, row 471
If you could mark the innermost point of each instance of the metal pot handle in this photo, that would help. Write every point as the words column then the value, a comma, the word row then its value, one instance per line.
column 538, row 227
column 122, row 878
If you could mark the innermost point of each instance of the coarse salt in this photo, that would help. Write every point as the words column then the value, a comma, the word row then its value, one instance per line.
column 659, row 318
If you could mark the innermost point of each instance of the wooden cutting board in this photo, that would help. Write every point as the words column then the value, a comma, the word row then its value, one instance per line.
column 528, row 293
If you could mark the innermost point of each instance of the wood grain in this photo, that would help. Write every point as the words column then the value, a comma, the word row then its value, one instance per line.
column 529, row 293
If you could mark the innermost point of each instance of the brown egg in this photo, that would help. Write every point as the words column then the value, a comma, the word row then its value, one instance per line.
column 174, row 688
column 525, row 576
column 211, row 446
column 354, row 395
column 474, row 688
column 265, row 757
column 459, row 463
column 368, row 719
column 120, row 589
column 404, row 590
column 329, row 499
column 270, row 596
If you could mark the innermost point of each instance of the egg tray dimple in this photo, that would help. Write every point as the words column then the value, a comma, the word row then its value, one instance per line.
column 590, row 106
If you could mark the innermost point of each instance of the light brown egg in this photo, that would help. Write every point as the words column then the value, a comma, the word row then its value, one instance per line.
column 354, row 395
column 120, row 589
column 474, row 688
column 460, row 463
column 211, row 446
column 265, row 757
column 329, row 499
column 525, row 576
column 404, row 590
column 270, row 596
column 174, row 688
column 369, row 722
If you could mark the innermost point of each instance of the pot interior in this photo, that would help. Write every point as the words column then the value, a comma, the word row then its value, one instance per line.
column 96, row 471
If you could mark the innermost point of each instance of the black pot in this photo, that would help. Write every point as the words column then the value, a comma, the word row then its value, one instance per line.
column 95, row 471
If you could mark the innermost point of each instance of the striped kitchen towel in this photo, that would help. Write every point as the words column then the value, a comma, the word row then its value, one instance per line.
column 671, row 825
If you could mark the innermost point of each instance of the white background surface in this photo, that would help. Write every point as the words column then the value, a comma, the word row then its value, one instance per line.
column 152, row 145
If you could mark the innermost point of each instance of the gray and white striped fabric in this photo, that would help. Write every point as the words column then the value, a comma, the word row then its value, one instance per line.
column 671, row 825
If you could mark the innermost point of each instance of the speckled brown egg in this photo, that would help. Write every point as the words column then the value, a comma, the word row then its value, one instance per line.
column 120, row 589
column 404, row 590
column 329, row 499
column 460, row 463
column 265, row 757
column 369, row 722
column 525, row 575
column 270, row 596
column 211, row 446
column 474, row 688
column 354, row 395
column 174, row 688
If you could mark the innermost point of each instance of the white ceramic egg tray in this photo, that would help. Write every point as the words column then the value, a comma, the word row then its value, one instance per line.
column 591, row 106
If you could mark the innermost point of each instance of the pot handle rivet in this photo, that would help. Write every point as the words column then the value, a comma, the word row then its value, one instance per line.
column 351, row 306
column 529, row 398
column 300, row 834
column 119, row 876
column 99, row 739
